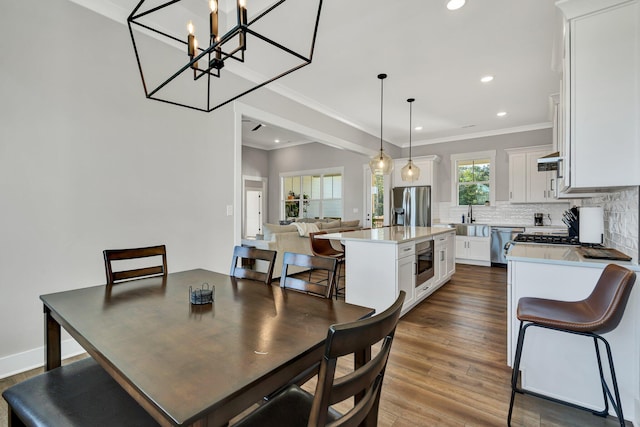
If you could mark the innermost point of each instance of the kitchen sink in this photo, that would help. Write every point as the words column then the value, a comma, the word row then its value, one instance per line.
column 477, row 230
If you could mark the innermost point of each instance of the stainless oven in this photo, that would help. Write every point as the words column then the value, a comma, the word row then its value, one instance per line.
column 424, row 262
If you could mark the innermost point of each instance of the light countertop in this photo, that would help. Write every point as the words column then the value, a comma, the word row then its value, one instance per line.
column 558, row 254
column 396, row 234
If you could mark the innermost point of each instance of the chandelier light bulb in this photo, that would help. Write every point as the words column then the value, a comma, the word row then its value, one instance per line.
column 213, row 5
column 190, row 27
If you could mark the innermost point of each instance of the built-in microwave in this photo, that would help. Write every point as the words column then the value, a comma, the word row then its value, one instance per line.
column 424, row 262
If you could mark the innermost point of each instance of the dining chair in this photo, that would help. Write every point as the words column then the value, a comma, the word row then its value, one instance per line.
column 82, row 393
column 323, row 287
column 324, row 248
column 251, row 255
column 294, row 407
column 591, row 317
column 79, row 394
column 111, row 255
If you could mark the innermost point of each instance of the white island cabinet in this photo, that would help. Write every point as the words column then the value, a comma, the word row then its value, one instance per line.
column 559, row 364
column 382, row 261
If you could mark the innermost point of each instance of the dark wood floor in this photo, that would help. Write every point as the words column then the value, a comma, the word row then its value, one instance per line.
column 448, row 363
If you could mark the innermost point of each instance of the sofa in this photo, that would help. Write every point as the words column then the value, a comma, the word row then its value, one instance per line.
column 286, row 238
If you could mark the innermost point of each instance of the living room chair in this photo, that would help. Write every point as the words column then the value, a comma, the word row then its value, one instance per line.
column 599, row 313
column 323, row 248
column 111, row 255
column 247, row 256
column 322, row 288
column 295, row 407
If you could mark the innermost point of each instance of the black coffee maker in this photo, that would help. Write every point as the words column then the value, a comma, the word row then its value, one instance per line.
column 538, row 219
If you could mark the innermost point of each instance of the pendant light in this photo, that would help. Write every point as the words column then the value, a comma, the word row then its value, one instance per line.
column 410, row 172
column 382, row 163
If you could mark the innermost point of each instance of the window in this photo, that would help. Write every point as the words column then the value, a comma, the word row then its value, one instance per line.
column 315, row 194
column 473, row 178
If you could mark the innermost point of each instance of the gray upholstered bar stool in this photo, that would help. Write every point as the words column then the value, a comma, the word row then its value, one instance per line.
column 599, row 313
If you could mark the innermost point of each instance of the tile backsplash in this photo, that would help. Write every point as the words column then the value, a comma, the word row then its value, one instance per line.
column 505, row 213
column 620, row 219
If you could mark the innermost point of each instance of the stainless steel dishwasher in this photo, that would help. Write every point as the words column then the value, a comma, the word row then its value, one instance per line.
column 499, row 238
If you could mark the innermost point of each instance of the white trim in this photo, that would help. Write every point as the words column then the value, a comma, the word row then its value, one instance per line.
column 20, row 362
column 491, row 154
column 505, row 131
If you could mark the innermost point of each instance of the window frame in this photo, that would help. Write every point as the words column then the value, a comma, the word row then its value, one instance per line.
column 478, row 155
column 301, row 200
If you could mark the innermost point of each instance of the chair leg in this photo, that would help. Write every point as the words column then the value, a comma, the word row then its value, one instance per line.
column 338, row 279
column 516, row 370
column 615, row 402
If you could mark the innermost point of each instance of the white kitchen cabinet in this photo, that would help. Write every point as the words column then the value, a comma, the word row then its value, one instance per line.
column 473, row 250
column 451, row 254
column 601, row 94
column 517, row 177
column 526, row 183
column 405, row 272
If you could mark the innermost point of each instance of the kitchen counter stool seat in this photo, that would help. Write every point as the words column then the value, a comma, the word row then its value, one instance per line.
column 78, row 394
column 599, row 313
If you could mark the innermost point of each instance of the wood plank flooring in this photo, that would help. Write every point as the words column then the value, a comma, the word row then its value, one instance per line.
column 448, row 363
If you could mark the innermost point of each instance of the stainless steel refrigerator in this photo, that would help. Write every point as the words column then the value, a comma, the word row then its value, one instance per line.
column 411, row 206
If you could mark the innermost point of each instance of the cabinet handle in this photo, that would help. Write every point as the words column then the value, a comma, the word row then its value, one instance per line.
column 552, row 182
column 441, row 255
column 415, row 269
column 510, row 194
column 558, row 175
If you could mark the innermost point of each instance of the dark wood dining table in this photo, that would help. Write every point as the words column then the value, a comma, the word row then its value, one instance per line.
column 195, row 364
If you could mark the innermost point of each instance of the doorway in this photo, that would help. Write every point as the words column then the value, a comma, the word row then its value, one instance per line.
column 376, row 199
column 254, row 205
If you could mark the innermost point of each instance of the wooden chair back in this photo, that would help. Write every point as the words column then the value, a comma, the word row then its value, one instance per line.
column 111, row 255
column 364, row 383
column 241, row 253
column 322, row 288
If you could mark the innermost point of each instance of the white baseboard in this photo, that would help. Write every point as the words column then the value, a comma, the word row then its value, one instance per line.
column 31, row 359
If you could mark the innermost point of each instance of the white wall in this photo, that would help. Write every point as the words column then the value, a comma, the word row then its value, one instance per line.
column 87, row 163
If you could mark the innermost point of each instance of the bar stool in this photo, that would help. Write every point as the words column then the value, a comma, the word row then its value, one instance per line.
column 323, row 248
column 599, row 313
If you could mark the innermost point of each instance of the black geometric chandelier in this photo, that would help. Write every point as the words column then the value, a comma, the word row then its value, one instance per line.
column 225, row 48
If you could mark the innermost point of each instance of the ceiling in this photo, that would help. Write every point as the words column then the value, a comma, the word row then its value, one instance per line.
column 432, row 54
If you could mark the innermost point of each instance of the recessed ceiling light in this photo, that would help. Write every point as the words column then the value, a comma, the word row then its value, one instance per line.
column 455, row 4
column 276, row 141
column 418, row 128
column 501, row 114
column 486, row 79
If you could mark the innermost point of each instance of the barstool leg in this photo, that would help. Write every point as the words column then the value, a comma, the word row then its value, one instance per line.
column 516, row 369
column 616, row 403
column 605, row 411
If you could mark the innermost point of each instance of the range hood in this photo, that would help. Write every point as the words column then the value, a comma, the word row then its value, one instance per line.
column 549, row 162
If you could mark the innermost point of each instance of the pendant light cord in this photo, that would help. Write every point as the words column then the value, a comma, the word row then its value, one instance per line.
column 381, row 77
column 410, row 101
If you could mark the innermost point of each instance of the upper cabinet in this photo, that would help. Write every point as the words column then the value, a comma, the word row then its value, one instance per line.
column 600, row 95
column 526, row 183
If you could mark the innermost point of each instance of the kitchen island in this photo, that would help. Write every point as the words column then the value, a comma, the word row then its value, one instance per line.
column 381, row 262
column 564, row 365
